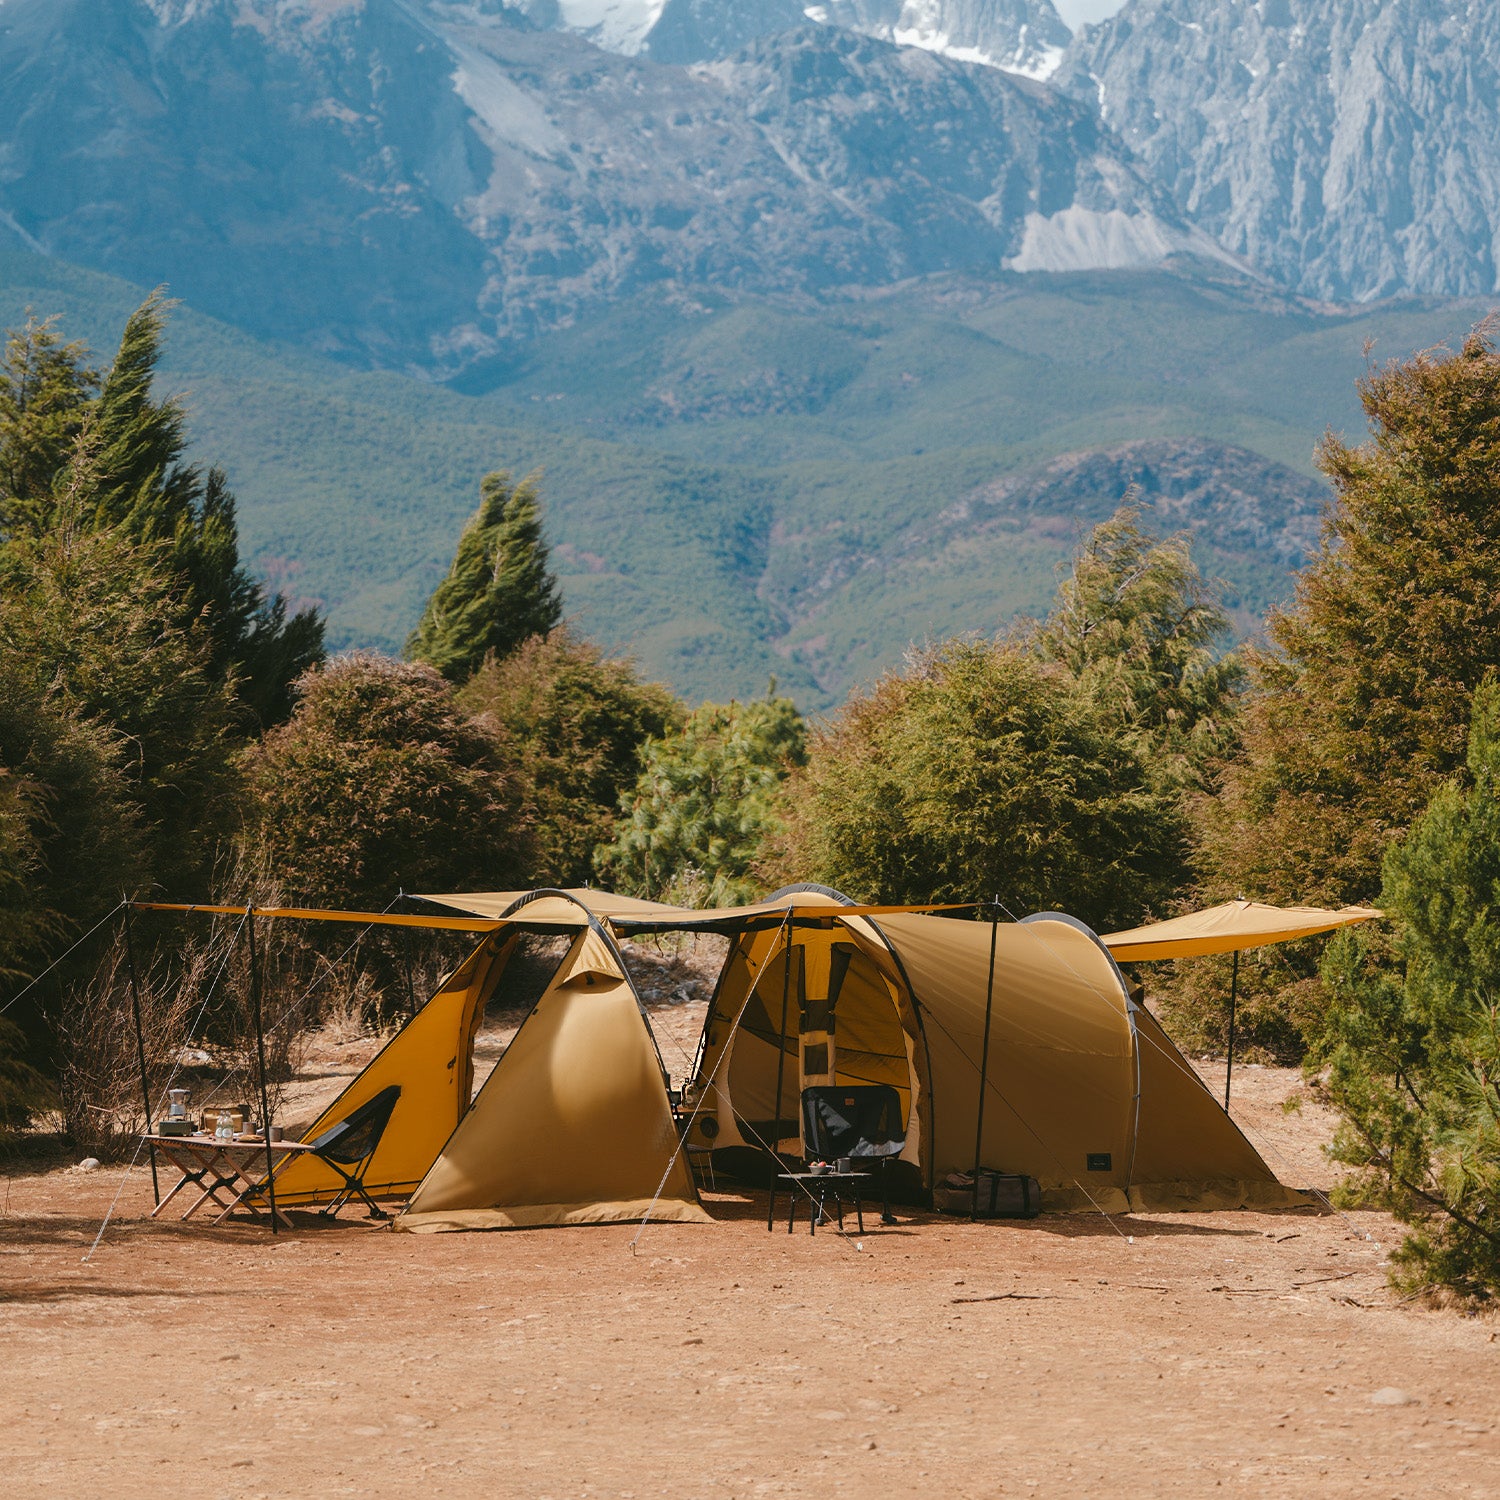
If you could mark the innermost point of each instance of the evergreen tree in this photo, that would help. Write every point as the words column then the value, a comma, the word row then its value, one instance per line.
column 1414, row 1036
column 696, row 822
column 500, row 590
column 379, row 782
column 114, row 461
column 45, row 392
column 1135, row 625
column 579, row 722
column 1361, row 706
column 980, row 770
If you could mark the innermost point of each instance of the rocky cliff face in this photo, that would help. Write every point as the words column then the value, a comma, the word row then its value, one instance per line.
column 412, row 182
column 1349, row 148
column 1023, row 36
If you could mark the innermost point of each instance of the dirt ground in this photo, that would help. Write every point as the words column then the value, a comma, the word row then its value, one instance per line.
column 1164, row 1355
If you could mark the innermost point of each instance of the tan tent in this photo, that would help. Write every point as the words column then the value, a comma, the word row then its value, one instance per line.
column 574, row 1125
column 1082, row 1089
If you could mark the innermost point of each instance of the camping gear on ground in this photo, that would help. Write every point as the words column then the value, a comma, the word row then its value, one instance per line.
column 228, row 1174
column 1001, row 1195
column 348, row 1147
column 859, row 1122
column 817, row 1185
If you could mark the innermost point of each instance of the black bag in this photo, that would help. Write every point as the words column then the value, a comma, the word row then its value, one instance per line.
column 1002, row 1195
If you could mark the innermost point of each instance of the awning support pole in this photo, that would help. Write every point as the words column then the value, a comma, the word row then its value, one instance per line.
column 984, row 1056
column 140, row 1050
column 260, row 1052
column 1234, row 988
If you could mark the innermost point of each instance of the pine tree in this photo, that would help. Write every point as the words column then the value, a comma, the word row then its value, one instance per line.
column 1135, row 625
column 45, row 390
column 499, row 591
column 1414, row 1035
column 118, row 457
column 696, row 823
column 1362, row 705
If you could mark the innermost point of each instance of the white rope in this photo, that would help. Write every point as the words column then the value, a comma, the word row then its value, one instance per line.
column 62, row 957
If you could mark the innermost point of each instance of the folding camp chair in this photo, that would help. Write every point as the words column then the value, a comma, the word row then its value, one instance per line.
column 348, row 1146
column 861, row 1121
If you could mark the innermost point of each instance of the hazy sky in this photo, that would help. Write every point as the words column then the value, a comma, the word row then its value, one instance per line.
column 1077, row 12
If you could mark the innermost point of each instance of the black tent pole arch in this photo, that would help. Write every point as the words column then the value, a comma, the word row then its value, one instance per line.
column 984, row 1056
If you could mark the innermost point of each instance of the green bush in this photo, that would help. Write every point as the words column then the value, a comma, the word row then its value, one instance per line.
column 579, row 722
column 379, row 782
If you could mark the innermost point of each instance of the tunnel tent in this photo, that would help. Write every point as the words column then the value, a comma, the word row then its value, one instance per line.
column 1084, row 1090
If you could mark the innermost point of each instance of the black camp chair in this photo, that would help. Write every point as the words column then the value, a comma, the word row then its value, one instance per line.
column 861, row 1121
column 348, row 1146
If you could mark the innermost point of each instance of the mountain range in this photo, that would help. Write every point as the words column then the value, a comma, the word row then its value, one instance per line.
column 830, row 324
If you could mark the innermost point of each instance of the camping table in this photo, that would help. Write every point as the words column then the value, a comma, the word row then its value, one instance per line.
column 817, row 1186
column 216, row 1167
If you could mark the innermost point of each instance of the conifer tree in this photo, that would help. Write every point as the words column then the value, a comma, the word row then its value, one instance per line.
column 1362, row 702
column 499, row 591
column 118, row 457
column 694, row 825
column 1414, row 1034
column 1135, row 626
column 45, row 390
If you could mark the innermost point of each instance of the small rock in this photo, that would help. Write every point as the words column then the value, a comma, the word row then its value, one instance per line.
column 1392, row 1395
column 89, row 1164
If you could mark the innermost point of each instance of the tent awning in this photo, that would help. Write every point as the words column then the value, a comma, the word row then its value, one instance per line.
column 1230, row 928
column 633, row 914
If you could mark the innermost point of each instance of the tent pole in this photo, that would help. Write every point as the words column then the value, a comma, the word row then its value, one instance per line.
column 260, row 1052
column 786, row 994
column 984, row 1056
column 140, row 1050
column 1234, row 989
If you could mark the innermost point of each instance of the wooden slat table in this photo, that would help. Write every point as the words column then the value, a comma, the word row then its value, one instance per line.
column 214, row 1167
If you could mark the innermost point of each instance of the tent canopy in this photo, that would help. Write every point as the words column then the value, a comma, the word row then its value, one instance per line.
column 1230, row 928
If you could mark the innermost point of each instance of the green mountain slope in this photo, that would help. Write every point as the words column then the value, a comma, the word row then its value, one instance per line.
column 738, row 488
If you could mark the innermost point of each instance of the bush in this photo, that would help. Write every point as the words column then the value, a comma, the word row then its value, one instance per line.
column 579, row 722
column 976, row 771
column 1413, row 1039
column 379, row 782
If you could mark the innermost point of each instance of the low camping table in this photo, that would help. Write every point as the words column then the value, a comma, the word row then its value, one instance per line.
column 216, row 1167
column 817, row 1186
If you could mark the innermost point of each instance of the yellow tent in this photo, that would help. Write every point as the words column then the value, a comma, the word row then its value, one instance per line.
column 1082, row 1088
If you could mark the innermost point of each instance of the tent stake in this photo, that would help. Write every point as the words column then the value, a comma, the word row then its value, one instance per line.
column 260, row 1052
column 1234, row 988
column 984, row 1056
column 140, row 1050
